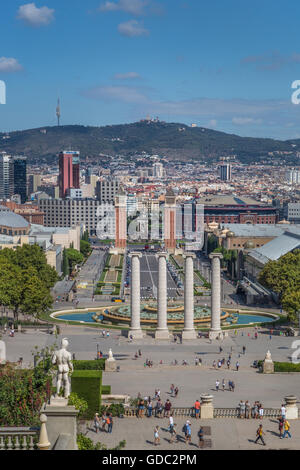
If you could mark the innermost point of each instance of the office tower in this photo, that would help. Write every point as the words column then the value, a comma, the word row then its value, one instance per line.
column 69, row 171
column 225, row 172
column 293, row 176
column 6, row 176
column 106, row 191
column 20, row 177
column 121, row 219
column 158, row 170
column 76, row 170
column 88, row 174
column 34, row 181
column 170, row 221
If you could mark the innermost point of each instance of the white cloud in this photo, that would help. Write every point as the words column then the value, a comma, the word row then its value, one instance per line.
column 126, row 76
column 212, row 123
column 9, row 64
column 134, row 7
column 34, row 16
column 132, row 28
column 241, row 121
column 125, row 94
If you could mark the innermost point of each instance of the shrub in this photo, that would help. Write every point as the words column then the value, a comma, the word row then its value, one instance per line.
column 98, row 364
column 116, row 409
column 79, row 403
column 87, row 385
column 106, row 389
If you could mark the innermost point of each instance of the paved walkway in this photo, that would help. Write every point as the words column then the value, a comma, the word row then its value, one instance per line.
column 226, row 434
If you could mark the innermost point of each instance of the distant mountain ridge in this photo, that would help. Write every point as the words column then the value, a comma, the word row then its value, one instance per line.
column 173, row 140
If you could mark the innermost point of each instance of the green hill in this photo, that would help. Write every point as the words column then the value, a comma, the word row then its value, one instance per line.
column 171, row 139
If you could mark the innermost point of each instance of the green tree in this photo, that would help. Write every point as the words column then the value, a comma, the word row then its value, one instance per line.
column 85, row 247
column 74, row 257
column 65, row 264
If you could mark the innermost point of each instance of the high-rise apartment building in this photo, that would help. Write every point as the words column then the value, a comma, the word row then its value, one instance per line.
column 158, row 170
column 20, row 177
column 6, row 176
column 69, row 171
column 106, row 190
column 225, row 172
column 293, row 176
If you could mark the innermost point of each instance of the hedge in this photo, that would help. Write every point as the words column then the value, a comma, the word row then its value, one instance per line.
column 283, row 366
column 106, row 390
column 98, row 364
column 87, row 384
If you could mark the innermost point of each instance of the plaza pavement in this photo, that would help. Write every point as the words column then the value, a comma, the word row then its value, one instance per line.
column 191, row 380
column 226, row 434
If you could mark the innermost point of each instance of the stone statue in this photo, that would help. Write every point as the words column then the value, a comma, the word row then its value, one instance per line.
column 110, row 354
column 62, row 358
column 268, row 356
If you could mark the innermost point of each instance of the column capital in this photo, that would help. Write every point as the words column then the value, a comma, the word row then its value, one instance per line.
column 189, row 254
column 135, row 253
column 161, row 254
column 216, row 255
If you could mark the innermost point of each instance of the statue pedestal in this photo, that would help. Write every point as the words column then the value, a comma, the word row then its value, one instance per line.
column 2, row 353
column 61, row 424
column 110, row 365
column 268, row 367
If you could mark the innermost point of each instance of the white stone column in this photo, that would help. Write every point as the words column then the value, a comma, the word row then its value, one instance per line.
column 215, row 331
column 135, row 296
column 162, row 331
column 189, row 330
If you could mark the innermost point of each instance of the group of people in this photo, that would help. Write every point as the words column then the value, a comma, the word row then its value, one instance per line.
column 105, row 423
column 221, row 362
column 175, row 437
column 247, row 412
column 231, row 385
column 105, row 334
column 283, row 427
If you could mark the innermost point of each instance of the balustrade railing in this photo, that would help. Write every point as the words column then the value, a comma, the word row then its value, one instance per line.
column 18, row 438
column 218, row 412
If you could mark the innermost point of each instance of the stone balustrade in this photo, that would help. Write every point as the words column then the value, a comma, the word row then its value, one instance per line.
column 18, row 438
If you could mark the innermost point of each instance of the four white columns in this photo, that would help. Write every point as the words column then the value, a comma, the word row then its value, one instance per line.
column 162, row 331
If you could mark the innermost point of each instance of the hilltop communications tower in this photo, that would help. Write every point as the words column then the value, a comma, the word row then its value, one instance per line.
column 58, row 111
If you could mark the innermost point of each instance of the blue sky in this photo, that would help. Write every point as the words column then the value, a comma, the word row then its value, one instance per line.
column 222, row 64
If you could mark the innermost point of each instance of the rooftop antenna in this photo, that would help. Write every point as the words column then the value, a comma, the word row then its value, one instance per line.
column 58, row 111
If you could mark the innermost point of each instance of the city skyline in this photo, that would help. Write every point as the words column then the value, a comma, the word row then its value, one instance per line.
column 227, row 67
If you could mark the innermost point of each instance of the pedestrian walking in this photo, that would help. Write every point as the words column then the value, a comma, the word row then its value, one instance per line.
column 172, row 389
column 150, row 408
column 214, row 364
column 237, row 365
column 168, row 406
column 201, row 437
column 197, row 407
column 280, row 427
column 247, row 410
column 261, row 411
column 103, row 420
column 188, row 432
column 223, row 385
column 232, row 385
column 286, row 428
column 173, row 435
column 244, row 349
column 171, row 423
column 260, row 434
column 110, row 423
column 217, row 385
column 176, row 391
column 97, row 423
column 156, row 436
column 283, row 411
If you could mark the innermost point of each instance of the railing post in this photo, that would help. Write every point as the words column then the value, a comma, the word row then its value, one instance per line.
column 43, row 443
column 207, row 407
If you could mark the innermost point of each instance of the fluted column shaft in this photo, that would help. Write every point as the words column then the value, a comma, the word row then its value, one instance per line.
column 162, row 318
column 135, row 295
column 215, row 291
column 189, row 330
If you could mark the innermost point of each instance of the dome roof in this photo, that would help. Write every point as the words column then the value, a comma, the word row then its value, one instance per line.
column 10, row 219
column 230, row 234
column 249, row 244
